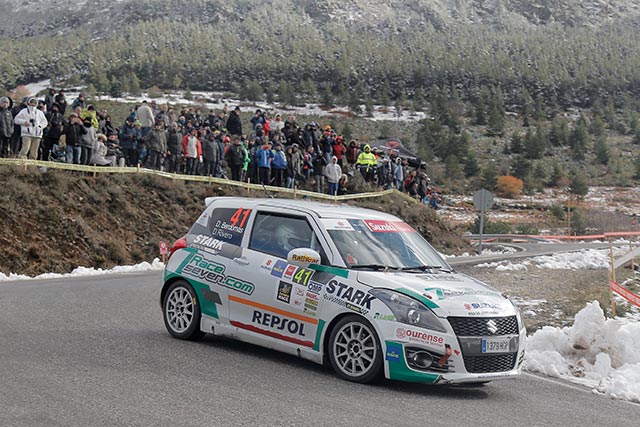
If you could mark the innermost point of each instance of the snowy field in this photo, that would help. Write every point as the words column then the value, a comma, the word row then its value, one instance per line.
column 599, row 353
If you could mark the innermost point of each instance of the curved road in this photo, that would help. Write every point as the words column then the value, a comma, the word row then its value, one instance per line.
column 526, row 250
column 93, row 351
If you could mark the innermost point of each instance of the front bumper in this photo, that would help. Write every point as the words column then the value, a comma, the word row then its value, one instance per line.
column 418, row 355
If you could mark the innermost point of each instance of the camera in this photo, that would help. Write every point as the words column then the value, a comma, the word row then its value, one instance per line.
column 32, row 121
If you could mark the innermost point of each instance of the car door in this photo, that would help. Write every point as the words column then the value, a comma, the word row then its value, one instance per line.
column 281, row 307
column 213, row 242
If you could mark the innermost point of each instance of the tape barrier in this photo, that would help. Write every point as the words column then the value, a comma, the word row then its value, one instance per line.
column 196, row 178
column 624, row 293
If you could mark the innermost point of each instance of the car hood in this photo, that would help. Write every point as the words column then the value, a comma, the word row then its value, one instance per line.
column 447, row 294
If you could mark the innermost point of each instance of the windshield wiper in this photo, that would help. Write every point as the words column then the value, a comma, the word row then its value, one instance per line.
column 375, row 267
column 424, row 268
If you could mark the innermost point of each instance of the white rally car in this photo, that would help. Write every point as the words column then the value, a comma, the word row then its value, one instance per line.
column 356, row 288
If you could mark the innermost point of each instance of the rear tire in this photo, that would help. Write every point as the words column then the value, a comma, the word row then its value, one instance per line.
column 354, row 350
column 181, row 311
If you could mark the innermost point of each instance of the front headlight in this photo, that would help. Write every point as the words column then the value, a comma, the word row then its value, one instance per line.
column 408, row 310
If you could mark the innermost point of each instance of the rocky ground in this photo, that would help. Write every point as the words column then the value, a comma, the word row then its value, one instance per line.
column 549, row 297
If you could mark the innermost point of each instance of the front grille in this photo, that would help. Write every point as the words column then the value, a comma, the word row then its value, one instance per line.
column 477, row 326
column 484, row 364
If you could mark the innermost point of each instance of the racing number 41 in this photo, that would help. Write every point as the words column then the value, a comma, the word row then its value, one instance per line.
column 240, row 212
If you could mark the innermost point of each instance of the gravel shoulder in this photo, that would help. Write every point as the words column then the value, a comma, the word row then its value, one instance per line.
column 548, row 297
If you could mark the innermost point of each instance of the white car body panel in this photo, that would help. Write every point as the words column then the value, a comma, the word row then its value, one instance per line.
column 262, row 299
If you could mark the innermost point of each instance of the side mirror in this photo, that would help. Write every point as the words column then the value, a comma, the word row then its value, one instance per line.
column 302, row 257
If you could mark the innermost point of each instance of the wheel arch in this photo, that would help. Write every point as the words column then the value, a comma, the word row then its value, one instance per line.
column 332, row 324
column 165, row 287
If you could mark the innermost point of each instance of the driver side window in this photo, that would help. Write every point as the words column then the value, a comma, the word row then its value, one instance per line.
column 278, row 234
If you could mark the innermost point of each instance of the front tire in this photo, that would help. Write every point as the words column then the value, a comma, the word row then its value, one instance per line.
column 354, row 350
column 181, row 311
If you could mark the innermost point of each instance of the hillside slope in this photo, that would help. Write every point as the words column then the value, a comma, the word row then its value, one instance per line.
column 54, row 221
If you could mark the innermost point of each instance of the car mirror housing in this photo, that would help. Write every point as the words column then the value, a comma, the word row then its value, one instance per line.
column 303, row 257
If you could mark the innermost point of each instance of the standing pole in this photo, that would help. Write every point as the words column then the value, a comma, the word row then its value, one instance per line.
column 612, row 277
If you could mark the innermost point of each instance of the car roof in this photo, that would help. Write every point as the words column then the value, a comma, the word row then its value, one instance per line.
column 321, row 209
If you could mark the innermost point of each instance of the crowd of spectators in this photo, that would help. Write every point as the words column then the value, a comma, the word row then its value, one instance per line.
column 270, row 150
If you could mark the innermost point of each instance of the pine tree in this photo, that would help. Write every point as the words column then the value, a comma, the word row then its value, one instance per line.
column 471, row 167
column 601, row 150
column 496, row 116
column 418, row 99
column 579, row 185
column 134, row 85
column 579, row 140
column 490, row 177
column 115, row 90
column 452, row 167
column 559, row 133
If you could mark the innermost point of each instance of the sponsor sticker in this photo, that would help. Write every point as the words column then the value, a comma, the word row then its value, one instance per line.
column 289, row 271
column 394, row 352
column 381, row 226
column 348, row 294
column 278, row 268
column 284, row 292
column 208, row 271
column 419, row 337
column 314, row 287
column 379, row 316
column 336, row 224
column 481, row 306
column 267, row 265
column 278, row 322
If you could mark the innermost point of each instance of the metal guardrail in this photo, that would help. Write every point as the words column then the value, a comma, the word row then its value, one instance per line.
column 547, row 238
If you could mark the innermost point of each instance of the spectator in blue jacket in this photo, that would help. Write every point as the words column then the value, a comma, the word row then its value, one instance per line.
column 264, row 157
column 278, row 165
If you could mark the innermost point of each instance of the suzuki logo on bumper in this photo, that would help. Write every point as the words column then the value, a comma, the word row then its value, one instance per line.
column 492, row 326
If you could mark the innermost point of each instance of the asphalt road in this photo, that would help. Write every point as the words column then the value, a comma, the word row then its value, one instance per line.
column 93, row 351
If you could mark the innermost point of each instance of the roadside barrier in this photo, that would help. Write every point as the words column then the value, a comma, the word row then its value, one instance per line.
column 615, row 287
column 197, row 178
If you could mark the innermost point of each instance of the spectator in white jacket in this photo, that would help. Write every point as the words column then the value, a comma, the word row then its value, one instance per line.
column 333, row 172
column 32, row 123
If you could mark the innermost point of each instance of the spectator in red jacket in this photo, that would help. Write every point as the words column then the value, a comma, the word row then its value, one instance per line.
column 192, row 151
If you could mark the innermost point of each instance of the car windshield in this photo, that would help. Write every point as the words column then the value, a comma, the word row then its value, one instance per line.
column 383, row 245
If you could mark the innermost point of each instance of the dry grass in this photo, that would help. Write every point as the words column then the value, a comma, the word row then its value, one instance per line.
column 54, row 221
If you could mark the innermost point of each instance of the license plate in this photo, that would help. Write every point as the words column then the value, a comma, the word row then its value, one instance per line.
column 496, row 345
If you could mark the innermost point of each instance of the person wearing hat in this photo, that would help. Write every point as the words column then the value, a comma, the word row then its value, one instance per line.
column 234, row 123
column 264, row 157
column 278, row 165
column 129, row 137
column 54, row 130
column 61, row 100
column 333, row 172
column 32, row 123
column 99, row 156
column 88, row 142
column 235, row 157
column 367, row 163
column 6, row 126
column 156, row 142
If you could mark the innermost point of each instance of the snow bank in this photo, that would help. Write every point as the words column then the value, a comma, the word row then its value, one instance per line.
column 155, row 265
column 586, row 259
column 596, row 352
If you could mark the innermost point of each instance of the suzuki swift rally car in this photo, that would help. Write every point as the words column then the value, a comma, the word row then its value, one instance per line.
column 355, row 288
